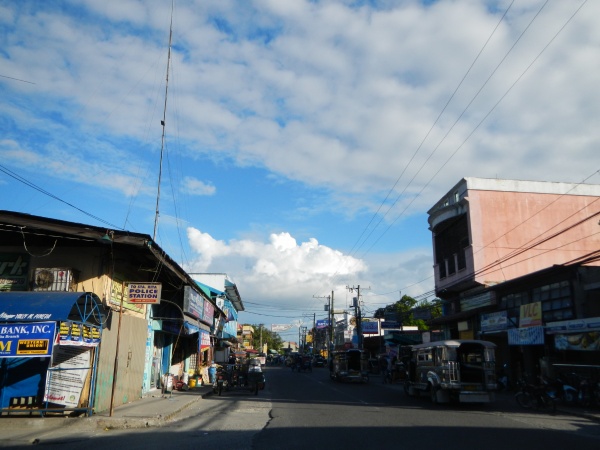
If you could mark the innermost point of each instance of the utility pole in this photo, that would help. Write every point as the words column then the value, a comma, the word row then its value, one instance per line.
column 314, row 333
column 329, row 341
column 357, row 315
column 331, row 327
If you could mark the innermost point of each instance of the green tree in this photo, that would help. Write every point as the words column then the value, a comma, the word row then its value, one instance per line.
column 407, row 308
column 272, row 340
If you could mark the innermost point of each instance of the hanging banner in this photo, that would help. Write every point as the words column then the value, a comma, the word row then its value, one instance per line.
column 27, row 340
column 204, row 339
column 66, row 378
column 579, row 342
column 526, row 336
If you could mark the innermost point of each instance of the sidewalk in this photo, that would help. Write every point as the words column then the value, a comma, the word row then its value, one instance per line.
column 153, row 410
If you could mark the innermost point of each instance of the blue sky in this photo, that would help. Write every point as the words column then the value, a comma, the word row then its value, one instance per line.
column 305, row 140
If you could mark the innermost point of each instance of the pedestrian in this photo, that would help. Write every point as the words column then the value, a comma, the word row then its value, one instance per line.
column 212, row 373
column 384, row 366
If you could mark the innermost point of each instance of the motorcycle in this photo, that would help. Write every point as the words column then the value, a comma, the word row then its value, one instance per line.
column 535, row 396
column 565, row 391
column 221, row 381
column 502, row 380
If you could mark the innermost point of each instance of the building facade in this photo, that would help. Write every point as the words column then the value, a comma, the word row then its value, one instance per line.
column 518, row 263
column 139, row 343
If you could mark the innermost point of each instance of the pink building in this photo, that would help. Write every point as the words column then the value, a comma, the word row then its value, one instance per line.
column 517, row 263
column 488, row 231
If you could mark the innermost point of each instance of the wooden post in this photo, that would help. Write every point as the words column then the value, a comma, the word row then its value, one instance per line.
column 116, row 365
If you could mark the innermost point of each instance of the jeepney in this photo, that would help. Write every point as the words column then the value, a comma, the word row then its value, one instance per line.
column 349, row 365
column 453, row 370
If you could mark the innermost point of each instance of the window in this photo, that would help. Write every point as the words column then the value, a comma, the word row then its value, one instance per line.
column 557, row 303
column 556, row 299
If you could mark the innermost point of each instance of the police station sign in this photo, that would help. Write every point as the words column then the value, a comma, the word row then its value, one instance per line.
column 148, row 293
column 26, row 340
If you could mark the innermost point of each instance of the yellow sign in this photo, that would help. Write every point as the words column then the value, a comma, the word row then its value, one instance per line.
column 32, row 347
column 531, row 315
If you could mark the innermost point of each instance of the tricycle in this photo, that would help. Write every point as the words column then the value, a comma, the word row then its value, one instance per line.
column 245, row 376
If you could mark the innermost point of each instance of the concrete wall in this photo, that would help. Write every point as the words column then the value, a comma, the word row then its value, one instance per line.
column 525, row 232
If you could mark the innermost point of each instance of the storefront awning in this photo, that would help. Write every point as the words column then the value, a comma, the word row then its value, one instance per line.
column 25, row 306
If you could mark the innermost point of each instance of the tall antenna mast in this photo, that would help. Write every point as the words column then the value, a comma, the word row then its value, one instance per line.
column 163, row 123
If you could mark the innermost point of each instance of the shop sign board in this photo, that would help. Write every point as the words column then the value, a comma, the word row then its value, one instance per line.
column 478, row 301
column 13, row 272
column 27, row 340
column 144, row 293
column 531, row 315
column 320, row 324
column 574, row 325
column 193, row 303
column 370, row 327
column 494, row 321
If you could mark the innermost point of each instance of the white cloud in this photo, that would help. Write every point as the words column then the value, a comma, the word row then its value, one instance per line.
column 193, row 186
column 276, row 269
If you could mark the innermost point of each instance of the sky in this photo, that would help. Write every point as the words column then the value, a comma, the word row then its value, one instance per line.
column 304, row 141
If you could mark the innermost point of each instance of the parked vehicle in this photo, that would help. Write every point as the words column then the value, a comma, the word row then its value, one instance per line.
column 349, row 365
column 304, row 364
column 453, row 370
column 245, row 376
column 320, row 361
column 535, row 396
column 563, row 390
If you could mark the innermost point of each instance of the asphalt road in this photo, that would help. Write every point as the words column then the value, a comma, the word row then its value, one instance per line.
column 309, row 411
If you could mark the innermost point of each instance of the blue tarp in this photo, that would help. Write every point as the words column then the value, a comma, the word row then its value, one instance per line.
column 26, row 306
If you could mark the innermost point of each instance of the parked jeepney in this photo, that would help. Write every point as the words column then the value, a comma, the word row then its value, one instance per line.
column 453, row 370
column 349, row 365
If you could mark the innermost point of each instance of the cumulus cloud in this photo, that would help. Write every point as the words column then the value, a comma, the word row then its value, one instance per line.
column 279, row 267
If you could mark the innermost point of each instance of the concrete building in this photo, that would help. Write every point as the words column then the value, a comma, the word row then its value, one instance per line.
column 517, row 262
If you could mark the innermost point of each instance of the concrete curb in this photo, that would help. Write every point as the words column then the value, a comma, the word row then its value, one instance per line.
column 120, row 423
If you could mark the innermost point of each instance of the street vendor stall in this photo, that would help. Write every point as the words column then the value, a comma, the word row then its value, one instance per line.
column 49, row 351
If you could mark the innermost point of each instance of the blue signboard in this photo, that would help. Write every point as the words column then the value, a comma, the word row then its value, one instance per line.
column 27, row 340
column 324, row 323
column 193, row 303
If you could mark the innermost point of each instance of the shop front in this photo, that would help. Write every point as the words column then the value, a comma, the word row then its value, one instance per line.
column 575, row 347
column 49, row 344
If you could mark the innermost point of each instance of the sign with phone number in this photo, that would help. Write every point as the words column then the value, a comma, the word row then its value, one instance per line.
column 23, row 340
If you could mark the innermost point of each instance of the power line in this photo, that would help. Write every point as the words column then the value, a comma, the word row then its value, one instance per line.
column 32, row 185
